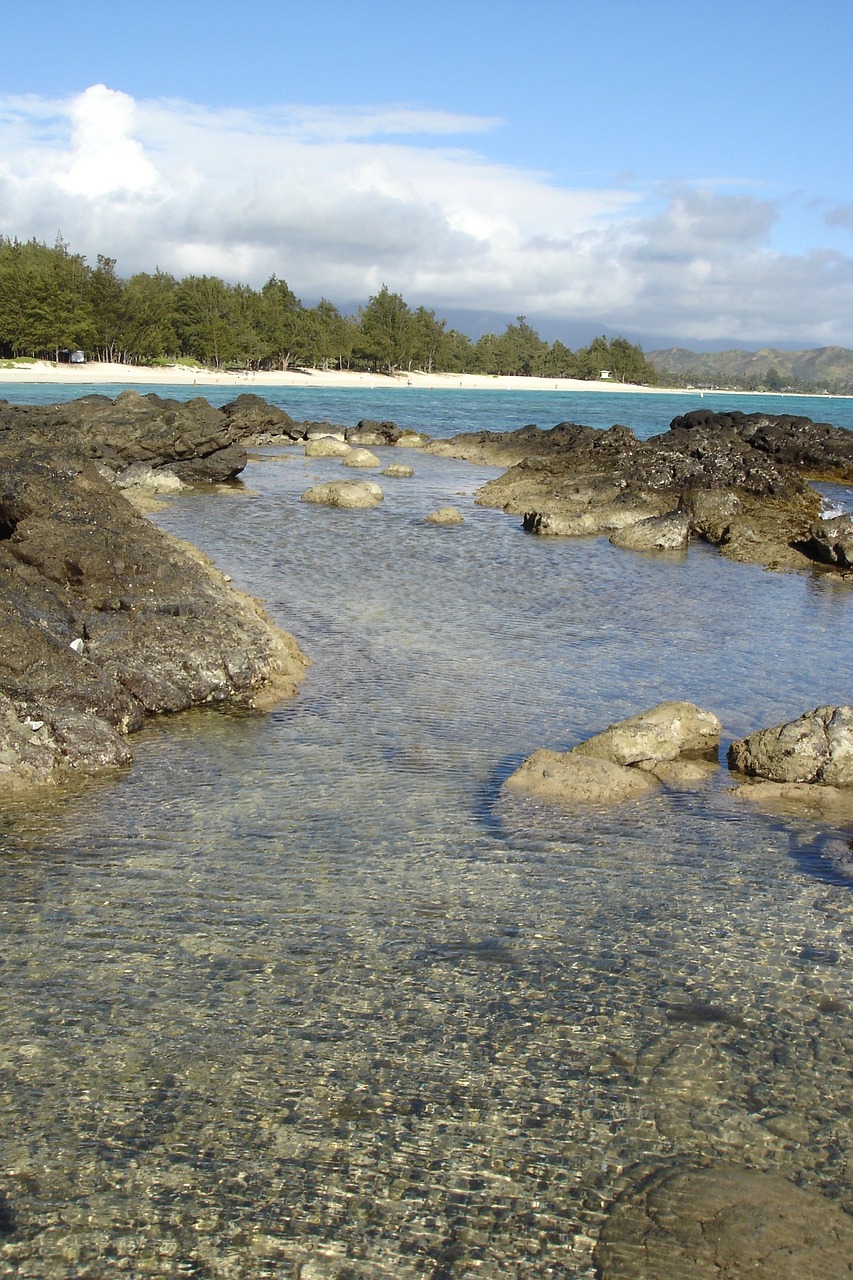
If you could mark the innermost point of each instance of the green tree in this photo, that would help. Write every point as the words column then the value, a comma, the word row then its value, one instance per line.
column 386, row 335
column 426, row 336
column 456, row 353
column 205, row 320
column 109, row 311
column 284, row 329
column 149, row 332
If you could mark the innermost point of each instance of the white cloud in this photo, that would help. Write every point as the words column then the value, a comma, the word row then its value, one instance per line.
column 338, row 202
column 105, row 159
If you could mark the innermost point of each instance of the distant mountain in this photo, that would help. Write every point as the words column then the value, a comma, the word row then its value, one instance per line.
column 823, row 369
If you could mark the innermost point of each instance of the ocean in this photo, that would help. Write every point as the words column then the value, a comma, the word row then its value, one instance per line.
column 448, row 412
column 304, row 994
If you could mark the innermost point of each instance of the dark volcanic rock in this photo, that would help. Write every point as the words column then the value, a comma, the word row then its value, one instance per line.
column 741, row 481
column 370, row 432
column 105, row 618
column 134, row 428
column 254, row 419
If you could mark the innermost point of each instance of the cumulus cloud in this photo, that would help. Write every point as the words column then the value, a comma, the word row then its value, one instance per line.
column 340, row 201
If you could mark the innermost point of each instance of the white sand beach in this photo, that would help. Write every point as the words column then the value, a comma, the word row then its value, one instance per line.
column 43, row 371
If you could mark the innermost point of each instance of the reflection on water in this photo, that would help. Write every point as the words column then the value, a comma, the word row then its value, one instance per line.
column 302, row 995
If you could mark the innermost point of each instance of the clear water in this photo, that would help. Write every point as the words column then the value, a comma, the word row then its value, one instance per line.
column 303, row 995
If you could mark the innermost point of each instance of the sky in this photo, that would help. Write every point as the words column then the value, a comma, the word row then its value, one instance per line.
column 671, row 171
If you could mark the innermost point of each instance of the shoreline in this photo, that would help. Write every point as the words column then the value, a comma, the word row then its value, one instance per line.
column 47, row 373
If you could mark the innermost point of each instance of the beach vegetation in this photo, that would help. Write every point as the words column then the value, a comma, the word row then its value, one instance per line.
column 52, row 303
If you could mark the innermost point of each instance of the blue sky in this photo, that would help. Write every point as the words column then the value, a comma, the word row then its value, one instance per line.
column 674, row 172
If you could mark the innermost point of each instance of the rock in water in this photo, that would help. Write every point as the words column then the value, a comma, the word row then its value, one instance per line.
column 817, row 748
column 446, row 515
column 353, row 494
column 629, row 759
column 105, row 618
column 361, row 458
column 709, row 1223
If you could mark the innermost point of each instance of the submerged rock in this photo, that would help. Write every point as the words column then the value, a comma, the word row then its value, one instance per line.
column 570, row 778
column 399, row 470
column 722, row 1220
column 669, row 744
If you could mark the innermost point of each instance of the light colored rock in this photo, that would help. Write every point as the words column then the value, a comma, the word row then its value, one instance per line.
column 399, row 470
column 353, row 494
column 665, row 732
column 569, row 778
column 656, row 533
column 446, row 515
column 604, row 517
column 706, row 1223
column 815, row 748
column 361, row 458
column 798, row 799
column 673, row 743
column 411, row 440
column 326, row 447
column 140, row 476
column 682, row 774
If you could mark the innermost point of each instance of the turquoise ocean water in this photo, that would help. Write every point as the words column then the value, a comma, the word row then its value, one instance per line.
column 447, row 412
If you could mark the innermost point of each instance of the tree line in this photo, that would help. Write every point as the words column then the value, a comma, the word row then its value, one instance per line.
column 52, row 302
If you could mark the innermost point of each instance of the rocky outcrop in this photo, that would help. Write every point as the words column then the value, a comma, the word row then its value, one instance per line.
column 254, row 419
column 352, row 494
column 193, row 439
column 739, row 481
column 674, row 743
column 655, row 533
column 830, row 541
column 369, row 433
column 816, row 748
column 722, row 1220
column 106, row 619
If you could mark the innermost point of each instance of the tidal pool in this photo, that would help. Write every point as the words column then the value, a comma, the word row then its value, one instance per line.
column 302, row 995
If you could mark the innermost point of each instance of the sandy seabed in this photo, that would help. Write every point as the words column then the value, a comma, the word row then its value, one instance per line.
column 180, row 375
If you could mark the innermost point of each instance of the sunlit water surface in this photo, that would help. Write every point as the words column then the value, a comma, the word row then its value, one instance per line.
column 302, row 995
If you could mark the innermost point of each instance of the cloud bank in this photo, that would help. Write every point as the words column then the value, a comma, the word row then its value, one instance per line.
column 339, row 202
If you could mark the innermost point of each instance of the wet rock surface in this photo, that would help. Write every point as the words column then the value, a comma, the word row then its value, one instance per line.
column 104, row 617
column 739, row 480
column 724, row 1221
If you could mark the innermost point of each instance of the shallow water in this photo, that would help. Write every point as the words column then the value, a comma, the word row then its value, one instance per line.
column 303, row 995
